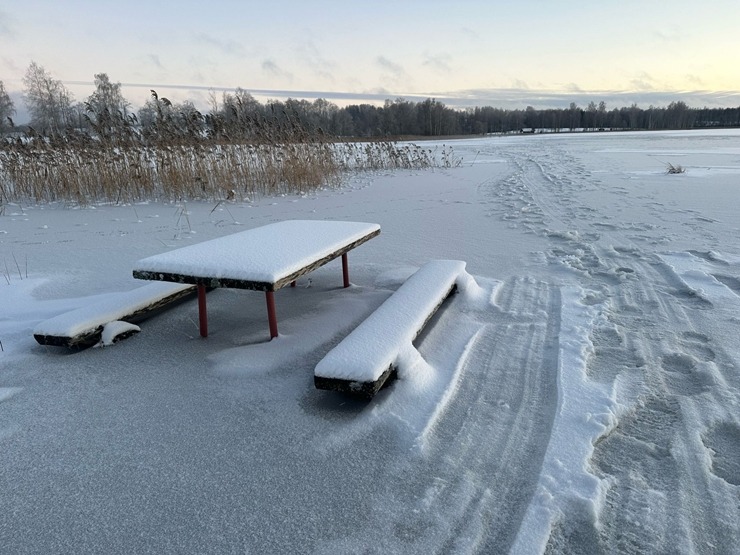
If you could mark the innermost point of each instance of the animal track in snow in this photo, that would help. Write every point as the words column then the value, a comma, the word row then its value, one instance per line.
column 683, row 376
column 723, row 443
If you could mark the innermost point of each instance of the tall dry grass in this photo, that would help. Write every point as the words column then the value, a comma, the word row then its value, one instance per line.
column 169, row 164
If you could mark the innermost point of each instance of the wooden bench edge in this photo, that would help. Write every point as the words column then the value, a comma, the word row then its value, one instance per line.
column 367, row 390
column 92, row 336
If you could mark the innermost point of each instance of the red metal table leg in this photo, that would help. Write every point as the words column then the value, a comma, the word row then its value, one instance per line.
column 345, row 270
column 202, row 313
column 271, row 314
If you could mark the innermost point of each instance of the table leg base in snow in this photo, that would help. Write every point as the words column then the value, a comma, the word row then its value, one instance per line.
column 270, row 301
column 271, row 315
column 202, row 311
column 345, row 270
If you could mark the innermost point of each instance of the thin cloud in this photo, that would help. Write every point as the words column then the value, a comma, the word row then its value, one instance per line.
column 6, row 27
column 154, row 59
column 513, row 98
column 518, row 98
column 672, row 35
column 230, row 47
column 271, row 68
column 643, row 82
column 438, row 62
column 391, row 67
column 312, row 57
column 11, row 65
column 470, row 33
column 695, row 79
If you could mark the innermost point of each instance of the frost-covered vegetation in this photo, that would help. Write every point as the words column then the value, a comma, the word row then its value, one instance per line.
column 101, row 150
column 82, row 169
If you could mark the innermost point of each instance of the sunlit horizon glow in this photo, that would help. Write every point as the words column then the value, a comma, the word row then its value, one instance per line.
column 470, row 53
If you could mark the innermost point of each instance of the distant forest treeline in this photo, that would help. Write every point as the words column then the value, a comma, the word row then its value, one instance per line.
column 238, row 116
column 430, row 117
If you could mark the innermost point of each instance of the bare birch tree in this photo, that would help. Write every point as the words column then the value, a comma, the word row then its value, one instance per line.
column 7, row 108
column 47, row 99
column 107, row 109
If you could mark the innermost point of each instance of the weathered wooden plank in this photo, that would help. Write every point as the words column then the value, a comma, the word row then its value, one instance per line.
column 366, row 390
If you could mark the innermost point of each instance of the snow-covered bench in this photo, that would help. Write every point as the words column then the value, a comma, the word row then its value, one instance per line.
column 366, row 358
column 86, row 326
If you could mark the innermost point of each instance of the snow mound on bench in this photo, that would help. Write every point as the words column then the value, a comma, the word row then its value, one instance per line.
column 75, row 322
column 377, row 343
column 115, row 331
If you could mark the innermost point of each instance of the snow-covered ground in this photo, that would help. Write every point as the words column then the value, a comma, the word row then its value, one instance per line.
column 584, row 398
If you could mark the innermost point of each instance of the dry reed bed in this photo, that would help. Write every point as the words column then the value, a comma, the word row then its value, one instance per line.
column 39, row 170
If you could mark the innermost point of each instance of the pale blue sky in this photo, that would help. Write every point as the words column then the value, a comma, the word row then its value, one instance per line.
column 475, row 52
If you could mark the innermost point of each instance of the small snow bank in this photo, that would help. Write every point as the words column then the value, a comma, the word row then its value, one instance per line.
column 696, row 273
column 116, row 331
column 378, row 343
column 586, row 410
column 111, row 309
column 473, row 293
column 413, row 407
column 8, row 392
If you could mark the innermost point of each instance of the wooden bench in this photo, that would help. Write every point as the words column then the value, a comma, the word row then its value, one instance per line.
column 368, row 357
column 83, row 327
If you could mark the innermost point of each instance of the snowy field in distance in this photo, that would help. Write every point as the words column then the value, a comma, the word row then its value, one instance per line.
column 585, row 400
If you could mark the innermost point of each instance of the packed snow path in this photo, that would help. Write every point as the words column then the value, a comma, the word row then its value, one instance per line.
column 586, row 399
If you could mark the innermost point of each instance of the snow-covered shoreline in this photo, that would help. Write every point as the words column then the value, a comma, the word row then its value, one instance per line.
column 587, row 399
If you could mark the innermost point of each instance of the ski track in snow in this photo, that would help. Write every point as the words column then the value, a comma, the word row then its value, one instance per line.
column 590, row 403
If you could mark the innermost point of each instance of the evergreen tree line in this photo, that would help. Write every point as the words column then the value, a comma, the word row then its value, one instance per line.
column 239, row 117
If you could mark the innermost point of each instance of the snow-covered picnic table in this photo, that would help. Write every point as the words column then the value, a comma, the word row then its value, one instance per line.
column 262, row 259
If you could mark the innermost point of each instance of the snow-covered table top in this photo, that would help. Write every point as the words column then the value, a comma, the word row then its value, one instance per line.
column 265, row 258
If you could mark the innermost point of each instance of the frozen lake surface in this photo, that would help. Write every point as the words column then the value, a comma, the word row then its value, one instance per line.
column 585, row 400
